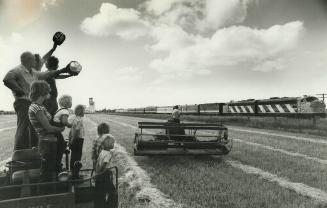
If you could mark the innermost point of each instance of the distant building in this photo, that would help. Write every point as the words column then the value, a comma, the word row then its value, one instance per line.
column 91, row 107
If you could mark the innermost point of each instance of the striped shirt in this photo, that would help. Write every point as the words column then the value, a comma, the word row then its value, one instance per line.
column 99, row 144
column 40, row 130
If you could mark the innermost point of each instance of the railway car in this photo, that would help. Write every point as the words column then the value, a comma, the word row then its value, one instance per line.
column 139, row 110
column 210, row 108
column 121, row 110
column 150, row 109
column 165, row 109
column 189, row 109
column 241, row 107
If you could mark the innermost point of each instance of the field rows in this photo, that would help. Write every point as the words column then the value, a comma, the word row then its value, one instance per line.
column 242, row 189
column 216, row 181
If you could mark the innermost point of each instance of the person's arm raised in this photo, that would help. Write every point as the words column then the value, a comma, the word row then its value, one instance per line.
column 63, row 76
column 52, row 74
column 47, row 55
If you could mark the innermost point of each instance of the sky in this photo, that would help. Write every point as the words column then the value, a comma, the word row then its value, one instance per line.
column 138, row 53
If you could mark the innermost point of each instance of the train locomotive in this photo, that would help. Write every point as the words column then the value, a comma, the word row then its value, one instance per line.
column 285, row 106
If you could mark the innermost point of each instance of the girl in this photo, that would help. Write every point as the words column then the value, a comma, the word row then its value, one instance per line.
column 40, row 120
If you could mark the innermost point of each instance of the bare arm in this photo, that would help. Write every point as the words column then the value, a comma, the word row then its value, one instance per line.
column 51, row 74
column 10, row 82
column 63, row 76
column 47, row 55
column 45, row 123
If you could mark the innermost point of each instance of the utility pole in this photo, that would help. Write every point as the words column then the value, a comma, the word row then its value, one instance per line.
column 323, row 96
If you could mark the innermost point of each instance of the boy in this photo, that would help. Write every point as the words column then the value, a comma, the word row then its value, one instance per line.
column 76, row 135
column 101, row 155
column 102, row 158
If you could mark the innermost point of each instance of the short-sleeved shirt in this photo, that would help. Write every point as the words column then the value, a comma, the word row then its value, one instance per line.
column 104, row 160
column 78, row 126
column 176, row 114
column 60, row 113
column 40, row 130
column 99, row 145
column 24, row 79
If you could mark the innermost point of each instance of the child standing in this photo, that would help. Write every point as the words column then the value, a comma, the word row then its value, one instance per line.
column 60, row 119
column 102, row 158
column 76, row 135
column 101, row 154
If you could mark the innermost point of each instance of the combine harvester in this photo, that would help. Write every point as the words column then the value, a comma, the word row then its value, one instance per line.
column 171, row 138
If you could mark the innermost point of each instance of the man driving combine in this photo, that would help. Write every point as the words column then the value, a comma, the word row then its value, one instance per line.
column 176, row 114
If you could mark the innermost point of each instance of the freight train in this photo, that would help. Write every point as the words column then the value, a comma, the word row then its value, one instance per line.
column 306, row 105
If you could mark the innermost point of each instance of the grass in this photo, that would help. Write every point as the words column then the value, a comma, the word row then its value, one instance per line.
column 210, row 182
column 300, row 125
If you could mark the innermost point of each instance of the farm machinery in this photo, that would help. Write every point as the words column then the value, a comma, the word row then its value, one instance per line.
column 21, row 187
column 173, row 138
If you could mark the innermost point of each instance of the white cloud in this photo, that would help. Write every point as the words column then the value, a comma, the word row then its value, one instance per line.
column 203, row 16
column 236, row 46
column 221, row 13
column 111, row 20
column 172, row 38
column 129, row 74
column 180, row 28
column 158, row 7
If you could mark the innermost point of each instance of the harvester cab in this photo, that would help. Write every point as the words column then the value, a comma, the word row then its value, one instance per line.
column 21, row 187
column 172, row 138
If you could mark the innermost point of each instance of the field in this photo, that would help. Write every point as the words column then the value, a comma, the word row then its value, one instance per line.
column 266, row 168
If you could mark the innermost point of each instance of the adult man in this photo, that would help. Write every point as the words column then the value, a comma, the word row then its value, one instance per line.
column 19, row 81
column 176, row 114
column 51, row 104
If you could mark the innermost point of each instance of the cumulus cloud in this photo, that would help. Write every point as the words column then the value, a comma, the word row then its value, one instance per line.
column 158, row 7
column 170, row 38
column 199, row 36
column 129, row 73
column 204, row 16
column 260, row 50
column 111, row 20
column 221, row 13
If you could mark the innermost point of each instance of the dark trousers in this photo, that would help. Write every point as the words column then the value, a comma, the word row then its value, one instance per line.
column 48, row 151
column 76, row 151
column 103, row 185
column 26, row 136
column 61, row 147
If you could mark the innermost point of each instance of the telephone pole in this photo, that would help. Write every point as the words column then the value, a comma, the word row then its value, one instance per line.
column 323, row 96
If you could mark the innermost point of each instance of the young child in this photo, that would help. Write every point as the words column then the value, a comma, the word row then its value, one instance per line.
column 101, row 149
column 76, row 135
column 102, row 158
column 60, row 119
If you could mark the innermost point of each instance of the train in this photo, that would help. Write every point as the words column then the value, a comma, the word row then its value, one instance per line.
column 305, row 105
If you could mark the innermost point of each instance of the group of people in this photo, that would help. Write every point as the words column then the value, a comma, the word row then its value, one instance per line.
column 40, row 121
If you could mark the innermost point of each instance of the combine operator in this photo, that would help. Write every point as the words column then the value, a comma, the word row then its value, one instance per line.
column 176, row 114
